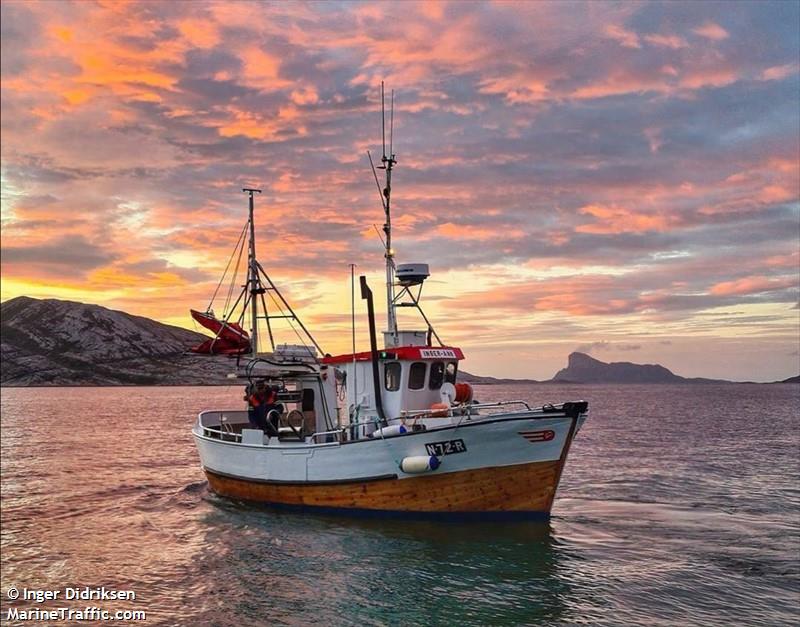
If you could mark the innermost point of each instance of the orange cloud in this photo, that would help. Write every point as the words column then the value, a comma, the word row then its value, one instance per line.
column 201, row 33
column 261, row 69
column 305, row 95
column 248, row 124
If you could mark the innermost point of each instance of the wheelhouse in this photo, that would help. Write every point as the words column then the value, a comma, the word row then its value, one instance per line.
column 410, row 379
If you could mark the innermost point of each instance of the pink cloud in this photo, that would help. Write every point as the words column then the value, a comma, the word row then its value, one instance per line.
column 625, row 38
column 666, row 41
column 752, row 285
column 709, row 76
column 712, row 31
column 614, row 219
column 779, row 72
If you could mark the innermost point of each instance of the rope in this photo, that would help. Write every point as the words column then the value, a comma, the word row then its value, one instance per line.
column 396, row 461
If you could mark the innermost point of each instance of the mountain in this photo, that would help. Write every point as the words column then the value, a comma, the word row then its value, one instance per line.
column 584, row 369
column 56, row 342
column 474, row 379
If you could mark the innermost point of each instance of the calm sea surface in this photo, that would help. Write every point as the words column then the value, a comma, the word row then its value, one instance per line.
column 680, row 505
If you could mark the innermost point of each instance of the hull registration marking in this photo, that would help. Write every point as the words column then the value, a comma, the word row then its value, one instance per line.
column 450, row 447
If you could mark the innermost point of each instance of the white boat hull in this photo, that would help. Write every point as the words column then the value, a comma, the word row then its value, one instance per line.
column 504, row 463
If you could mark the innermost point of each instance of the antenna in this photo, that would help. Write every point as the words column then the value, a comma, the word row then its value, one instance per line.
column 391, row 126
column 383, row 122
column 385, row 192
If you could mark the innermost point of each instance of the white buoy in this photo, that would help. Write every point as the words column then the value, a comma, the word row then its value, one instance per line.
column 419, row 463
column 390, row 430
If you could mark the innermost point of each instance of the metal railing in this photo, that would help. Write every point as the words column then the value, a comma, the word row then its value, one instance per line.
column 338, row 433
column 225, row 433
column 222, row 435
column 461, row 410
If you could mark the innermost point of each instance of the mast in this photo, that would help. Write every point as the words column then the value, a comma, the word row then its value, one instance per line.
column 353, row 319
column 387, row 163
column 253, row 281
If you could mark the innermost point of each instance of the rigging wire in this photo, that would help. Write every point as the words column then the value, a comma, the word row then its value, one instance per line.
column 235, row 273
column 288, row 319
column 225, row 272
column 291, row 311
column 375, row 174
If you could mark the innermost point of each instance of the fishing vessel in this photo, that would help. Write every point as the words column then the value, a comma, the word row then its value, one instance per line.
column 386, row 431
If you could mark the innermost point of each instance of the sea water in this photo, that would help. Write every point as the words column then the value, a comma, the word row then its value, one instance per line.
column 679, row 505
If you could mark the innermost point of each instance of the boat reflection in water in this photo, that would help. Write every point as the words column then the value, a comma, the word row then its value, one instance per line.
column 478, row 573
column 388, row 431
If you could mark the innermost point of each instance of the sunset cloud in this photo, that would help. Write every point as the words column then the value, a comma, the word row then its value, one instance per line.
column 595, row 174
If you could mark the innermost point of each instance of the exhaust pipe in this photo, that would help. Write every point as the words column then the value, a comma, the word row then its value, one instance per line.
column 366, row 294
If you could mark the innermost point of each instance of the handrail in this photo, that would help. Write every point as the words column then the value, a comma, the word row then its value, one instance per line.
column 340, row 432
column 457, row 410
column 462, row 409
column 223, row 434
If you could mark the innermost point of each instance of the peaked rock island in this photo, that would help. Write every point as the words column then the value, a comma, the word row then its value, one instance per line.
column 582, row 368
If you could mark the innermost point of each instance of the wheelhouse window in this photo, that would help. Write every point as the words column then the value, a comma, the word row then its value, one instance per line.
column 450, row 372
column 437, row 375
column 416, row 376
column 391, row 375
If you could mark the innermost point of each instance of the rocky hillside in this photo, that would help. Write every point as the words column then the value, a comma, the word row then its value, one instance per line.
column 474, row 379
column 584, row 369
column 55, row 342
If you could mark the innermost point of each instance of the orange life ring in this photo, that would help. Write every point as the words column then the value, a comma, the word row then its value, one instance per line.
column 439, row 410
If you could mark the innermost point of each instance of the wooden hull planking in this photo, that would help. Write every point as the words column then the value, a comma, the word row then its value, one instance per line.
column 518, row 488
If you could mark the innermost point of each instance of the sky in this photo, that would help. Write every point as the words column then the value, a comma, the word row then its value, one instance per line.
column 616, row 178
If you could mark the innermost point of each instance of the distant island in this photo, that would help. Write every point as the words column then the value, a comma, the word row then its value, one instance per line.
column 58, row 342
column 582, row 368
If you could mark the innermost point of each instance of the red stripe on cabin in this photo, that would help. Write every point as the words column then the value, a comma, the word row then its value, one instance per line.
column 407, row 353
